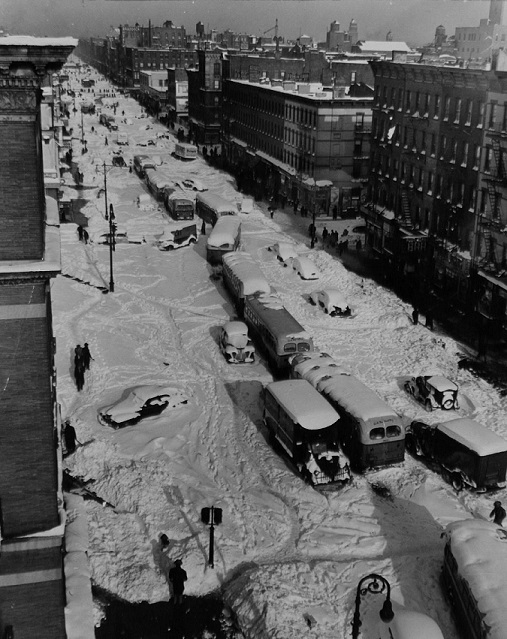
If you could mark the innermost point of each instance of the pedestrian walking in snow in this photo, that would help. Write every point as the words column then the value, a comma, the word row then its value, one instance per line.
column 86, row 237
column 271, row 209
column 80, row 232
column 429, row 320
column 415, row 316
column 106, row 141
column 335, row 212
column 78, row 355
column 79, row 375
column 177, row 577
column 325, row 233
column 498, row 513
column 69, row 437
column 86, row 356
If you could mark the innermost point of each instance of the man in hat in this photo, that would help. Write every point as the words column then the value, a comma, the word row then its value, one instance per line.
column 177, row 577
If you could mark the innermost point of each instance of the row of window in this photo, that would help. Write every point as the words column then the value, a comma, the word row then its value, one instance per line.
column 417, row 103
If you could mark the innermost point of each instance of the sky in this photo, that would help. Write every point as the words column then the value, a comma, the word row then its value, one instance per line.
column 285, row 553
column 413, row 21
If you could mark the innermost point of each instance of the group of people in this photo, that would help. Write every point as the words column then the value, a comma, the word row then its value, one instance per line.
column 83, row 234
column 428, row 315
column 82, row 359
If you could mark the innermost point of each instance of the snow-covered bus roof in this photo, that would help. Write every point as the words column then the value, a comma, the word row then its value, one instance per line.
column 480, row 550
column 217, row 203
column 474, row 435
column 356, row 398
column 159, row 180
column 246, row 269
column 276, row 318
column 304, row 404
column 224, row 232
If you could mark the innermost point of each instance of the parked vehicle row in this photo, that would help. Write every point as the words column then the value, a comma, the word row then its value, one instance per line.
column 224, row 238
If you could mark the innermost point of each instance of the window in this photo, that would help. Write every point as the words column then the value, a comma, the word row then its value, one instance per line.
column 430, row 183
column 484, row 195
column 464, row 159
column 473, row 198
column 433, row 148
column 438, row 189
column 477, row 157
column 480, row 120
column 400, row 99
column 487, row 160
column 436, row 107
column 417, row 102
column 423, row 142
column 492, row 114
column 447, row 108
column 454, row 151
column 504, row 119
column 427, row 104
column 457, row 114
column 470, row 107
column 408, row 101
column 442, row 147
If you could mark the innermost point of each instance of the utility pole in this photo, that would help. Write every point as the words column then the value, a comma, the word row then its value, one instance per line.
column 112, row 246
column 212, row 517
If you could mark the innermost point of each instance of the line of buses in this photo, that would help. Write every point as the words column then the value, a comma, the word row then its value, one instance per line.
column 322, row 410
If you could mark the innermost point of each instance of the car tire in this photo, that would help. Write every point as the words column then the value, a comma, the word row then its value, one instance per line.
column 192, row 240
column 408, row 388
column 312, row 302
column 448, row 404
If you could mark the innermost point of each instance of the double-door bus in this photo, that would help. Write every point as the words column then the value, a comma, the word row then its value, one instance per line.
column 474, row 577
column 372, row 433
column 242, row 276
column 224, row 238
column 210, row 207
column 306, row 427
column 179, row 206
column 278, row 333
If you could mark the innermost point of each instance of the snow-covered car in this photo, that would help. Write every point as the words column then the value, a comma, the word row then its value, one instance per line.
column 305, row 268
column 236, row 344
column 179, row 238
column 142, row 401
column 433, row 391
column 148, row 142
column 284, row 251
column 193, row 184
column 331, row 301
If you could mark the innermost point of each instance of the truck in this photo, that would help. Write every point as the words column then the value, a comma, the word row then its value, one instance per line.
column 185, row 151
column 174, row 239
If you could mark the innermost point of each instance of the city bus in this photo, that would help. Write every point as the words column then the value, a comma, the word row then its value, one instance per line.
column 178, row 205
column 224, row 238
column 474, row 577
column 300, row 420
column 157, row 183
column 210, row 207
column 242, row 276
column 278, row 333
column 372, row 433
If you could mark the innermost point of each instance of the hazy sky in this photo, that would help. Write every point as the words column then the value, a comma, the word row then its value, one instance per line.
column 411, row 20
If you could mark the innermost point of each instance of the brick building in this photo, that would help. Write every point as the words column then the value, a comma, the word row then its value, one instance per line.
column 32, row 594
column 205, row 98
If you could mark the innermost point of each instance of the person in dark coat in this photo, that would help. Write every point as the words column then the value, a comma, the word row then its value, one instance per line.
column 325, row 233
column 86, row 356
column 177, row 577
column 80, row 232
column 69, row 436
column 498, row 513
column 429, row 320
column 79, row 375
column 415, row 316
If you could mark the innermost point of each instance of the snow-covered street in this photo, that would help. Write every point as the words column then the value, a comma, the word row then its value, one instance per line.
column 285, row 552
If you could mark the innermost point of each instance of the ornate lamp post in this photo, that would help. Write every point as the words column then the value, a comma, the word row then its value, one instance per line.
column 377, row 585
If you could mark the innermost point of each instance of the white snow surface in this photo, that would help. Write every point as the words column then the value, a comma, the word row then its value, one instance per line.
column 285, row 553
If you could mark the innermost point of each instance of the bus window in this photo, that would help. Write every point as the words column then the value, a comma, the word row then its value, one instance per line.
column 289, row 348
column 377, row 433
column 393, row 431
column 303, row 347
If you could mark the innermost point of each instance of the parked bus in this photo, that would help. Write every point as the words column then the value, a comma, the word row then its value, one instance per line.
column 474, row 577
column 142, row 163
column 372, row 432
column 306, row 427
column 178, row 205
column 185, row 151
column 224, row 238
column 279, row 334
column 243, row 276
column 157, row 183
column 210, row 207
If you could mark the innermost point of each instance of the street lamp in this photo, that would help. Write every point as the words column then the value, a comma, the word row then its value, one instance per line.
column 112, row 246
column 377, row 585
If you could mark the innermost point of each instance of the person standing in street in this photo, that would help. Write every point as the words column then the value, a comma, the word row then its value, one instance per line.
column 415, row 316
column 429, row 320
column 177, row 577
column 86, row 356
column 498, row 513
column 69, row 436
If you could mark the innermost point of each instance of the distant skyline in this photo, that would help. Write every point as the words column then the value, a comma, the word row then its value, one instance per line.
column 413, row 21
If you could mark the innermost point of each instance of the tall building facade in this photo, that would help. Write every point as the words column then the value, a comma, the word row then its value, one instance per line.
column 32, row 595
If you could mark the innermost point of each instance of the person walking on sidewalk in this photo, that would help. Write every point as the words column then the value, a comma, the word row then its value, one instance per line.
column 86, row 356
column 415, row 316
column 177, row 577
column 498, row 513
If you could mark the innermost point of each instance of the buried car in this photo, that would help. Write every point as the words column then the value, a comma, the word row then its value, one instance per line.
column 331, row 301
column 142, row 401
column 305, row 268
column 193, row 184
column 284, row 252
column 178, row 238
column 235, row 343
column 433, row 391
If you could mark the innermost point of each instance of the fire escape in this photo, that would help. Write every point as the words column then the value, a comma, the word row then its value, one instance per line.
column 496, row 183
